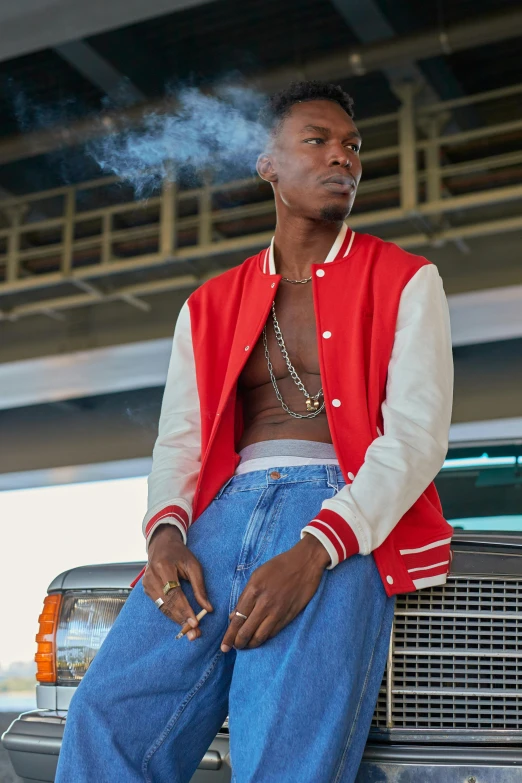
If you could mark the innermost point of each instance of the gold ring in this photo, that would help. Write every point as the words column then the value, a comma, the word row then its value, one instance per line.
column 170, row 586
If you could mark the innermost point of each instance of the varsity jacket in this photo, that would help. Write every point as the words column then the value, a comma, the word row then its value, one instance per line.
column 386, row 370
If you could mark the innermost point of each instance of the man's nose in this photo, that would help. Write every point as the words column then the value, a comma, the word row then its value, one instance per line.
column 341, row 158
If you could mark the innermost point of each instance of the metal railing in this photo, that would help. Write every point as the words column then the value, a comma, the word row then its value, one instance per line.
column 63, row 244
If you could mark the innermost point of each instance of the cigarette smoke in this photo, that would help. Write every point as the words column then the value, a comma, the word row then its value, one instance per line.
column 216, row 136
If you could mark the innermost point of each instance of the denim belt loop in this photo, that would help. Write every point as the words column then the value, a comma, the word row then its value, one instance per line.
column 331, row 475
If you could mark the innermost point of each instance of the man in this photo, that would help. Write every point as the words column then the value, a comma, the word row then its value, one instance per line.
column 305, row 415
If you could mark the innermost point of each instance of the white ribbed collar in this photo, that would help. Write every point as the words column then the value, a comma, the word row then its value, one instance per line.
column 332, row 255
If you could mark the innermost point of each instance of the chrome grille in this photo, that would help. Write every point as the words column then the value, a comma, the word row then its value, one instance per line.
column 456, row 658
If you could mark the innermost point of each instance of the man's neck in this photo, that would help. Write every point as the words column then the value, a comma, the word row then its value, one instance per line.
column 300, row 243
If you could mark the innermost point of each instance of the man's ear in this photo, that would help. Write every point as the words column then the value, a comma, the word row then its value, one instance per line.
column 265, row 168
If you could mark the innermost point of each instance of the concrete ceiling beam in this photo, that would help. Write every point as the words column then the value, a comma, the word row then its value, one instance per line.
column 31, row 25
column 476, row 317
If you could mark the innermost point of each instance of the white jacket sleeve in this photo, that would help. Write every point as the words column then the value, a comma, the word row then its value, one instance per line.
column 176, row 458
column 402, row 461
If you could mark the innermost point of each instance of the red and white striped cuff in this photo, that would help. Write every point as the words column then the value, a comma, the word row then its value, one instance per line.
column 336, row 535
column 428, row 565
column 170, row 515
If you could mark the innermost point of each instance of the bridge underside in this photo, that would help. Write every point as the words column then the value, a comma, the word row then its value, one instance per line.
column 92, row 276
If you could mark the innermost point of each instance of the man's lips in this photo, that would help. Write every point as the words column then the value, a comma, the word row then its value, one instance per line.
column 340, row 184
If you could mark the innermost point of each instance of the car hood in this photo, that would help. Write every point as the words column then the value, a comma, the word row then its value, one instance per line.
column 487, row 553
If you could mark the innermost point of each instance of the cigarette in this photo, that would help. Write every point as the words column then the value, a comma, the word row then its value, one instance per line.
column 186, row 628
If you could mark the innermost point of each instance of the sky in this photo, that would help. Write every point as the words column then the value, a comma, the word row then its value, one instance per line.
column 47, row 530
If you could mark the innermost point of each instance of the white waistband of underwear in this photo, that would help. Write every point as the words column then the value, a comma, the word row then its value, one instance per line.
column 263, row 463
column 285, row 453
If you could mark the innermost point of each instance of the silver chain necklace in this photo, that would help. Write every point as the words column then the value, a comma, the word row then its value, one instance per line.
column 312, row 403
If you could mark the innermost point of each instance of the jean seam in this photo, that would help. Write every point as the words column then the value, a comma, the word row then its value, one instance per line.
column 257, row 488
column 246, row 536
column 240, row 567
column 174, row 719
column 274, row 513
column 361, row 699
column 275, row 483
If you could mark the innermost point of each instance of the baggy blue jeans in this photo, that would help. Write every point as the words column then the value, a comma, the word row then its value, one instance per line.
column 299, row 706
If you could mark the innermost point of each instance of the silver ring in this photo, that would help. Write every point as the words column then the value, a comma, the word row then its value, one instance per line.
column 242, row 615
column 159, row 602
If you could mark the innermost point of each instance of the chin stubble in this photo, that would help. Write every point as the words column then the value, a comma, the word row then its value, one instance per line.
column 333, row 213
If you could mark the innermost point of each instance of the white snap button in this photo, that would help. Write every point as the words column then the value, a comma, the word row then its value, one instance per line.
column 389, row 579
column 320, row 273
column 351, row 476
column 326, row 335
column 247, row 347
column 336, row 403
column 273, row 285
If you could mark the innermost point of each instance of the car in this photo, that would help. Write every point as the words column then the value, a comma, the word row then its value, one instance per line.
column 450, row 705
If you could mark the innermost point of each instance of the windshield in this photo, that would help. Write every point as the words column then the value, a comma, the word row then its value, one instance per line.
column 481, row 488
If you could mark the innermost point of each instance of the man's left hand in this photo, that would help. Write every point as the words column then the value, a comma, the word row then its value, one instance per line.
column 275, row 593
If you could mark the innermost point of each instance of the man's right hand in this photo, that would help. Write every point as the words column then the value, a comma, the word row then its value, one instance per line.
column 170, row 560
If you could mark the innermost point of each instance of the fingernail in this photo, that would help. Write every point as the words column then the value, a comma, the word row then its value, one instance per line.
column 192, row 622
column 225, row 648
column 191, row 635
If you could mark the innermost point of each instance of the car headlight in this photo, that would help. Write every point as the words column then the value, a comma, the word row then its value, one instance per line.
column 85, row 620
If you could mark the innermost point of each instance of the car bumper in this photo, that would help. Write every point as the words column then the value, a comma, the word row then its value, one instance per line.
column 34, row 739
column 33, row 742
column 423, row 763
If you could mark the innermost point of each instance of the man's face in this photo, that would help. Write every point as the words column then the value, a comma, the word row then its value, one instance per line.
column 315, row 164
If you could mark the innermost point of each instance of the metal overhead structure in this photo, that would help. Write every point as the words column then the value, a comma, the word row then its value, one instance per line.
column 100, row 72
column 84, row 386
column 370, row 24
column 51, row 243
column 103, row 245
column 352, row 62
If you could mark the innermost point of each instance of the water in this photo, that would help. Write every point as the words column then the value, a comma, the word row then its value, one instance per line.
column 14, row 701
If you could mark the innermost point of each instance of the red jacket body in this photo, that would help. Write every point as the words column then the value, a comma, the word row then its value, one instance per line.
column 356, row 302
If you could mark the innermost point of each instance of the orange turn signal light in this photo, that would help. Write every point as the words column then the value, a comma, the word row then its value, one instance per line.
column 46, row 637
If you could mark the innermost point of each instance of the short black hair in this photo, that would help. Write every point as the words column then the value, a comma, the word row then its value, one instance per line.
column 278, row 106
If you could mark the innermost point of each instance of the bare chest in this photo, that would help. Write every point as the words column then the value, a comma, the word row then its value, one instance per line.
column 294, row 309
